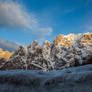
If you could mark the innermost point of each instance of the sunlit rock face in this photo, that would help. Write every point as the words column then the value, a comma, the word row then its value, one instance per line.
column 87, row 39
column 65, row 51
column 5, row 54
column 66, row 40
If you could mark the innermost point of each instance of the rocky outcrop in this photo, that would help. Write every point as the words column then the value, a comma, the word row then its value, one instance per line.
column 74, row 79
column 64, row 52
column 5, row 54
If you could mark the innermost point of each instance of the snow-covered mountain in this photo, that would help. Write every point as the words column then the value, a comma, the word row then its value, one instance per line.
column 65, row 51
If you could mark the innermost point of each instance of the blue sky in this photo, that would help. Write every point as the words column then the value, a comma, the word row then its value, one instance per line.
column 44, row 19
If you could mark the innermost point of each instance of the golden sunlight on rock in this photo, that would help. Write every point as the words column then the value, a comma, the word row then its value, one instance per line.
column 58, row 39
column 1, row 50
column 47, row 43
column 87, row 39
column 5, row 54
column 66, row 40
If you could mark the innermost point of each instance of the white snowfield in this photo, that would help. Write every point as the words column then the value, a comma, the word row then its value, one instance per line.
column 74, row 79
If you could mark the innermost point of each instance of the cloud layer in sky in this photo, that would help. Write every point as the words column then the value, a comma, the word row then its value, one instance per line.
column 7, row 45
column 14, row 15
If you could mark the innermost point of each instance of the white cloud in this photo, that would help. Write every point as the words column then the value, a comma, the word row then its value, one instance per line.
column 42, row 33
column 87, row 27
column 7, row 45
column 90, row 28
column 47, row 31
column 14, row 15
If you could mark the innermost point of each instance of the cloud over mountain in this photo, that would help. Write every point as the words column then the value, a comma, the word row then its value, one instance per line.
column 7, row 45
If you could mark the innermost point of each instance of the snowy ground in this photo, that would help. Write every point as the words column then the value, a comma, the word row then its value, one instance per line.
column 74, row 79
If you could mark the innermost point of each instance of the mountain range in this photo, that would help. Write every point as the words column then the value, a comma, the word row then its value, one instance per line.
column 65, row 51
